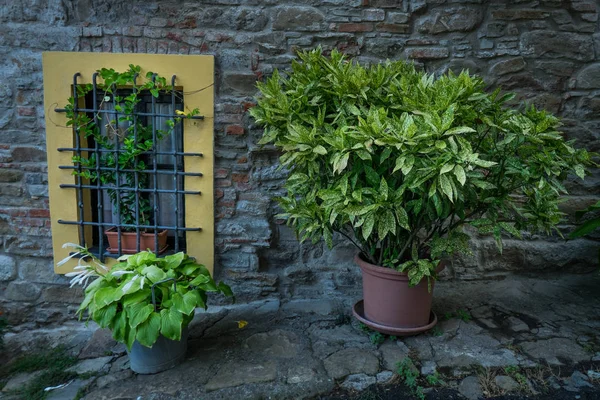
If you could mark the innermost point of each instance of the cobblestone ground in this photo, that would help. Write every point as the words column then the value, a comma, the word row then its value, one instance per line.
column 532, row 338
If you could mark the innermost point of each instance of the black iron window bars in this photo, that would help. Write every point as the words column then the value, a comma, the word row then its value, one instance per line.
column 176, row 171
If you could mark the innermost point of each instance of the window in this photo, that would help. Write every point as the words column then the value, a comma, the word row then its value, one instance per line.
column 176, row 197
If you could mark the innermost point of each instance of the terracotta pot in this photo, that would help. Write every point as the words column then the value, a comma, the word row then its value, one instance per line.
column 129, row 241
column 389, row 301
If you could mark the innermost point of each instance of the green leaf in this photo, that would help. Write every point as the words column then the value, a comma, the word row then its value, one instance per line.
column 385, row 154
column 129, row 337
column 328, row 237
column 189, row 269
column 199, row 298
column 481, row 222
column 86, row 301
column 580, row 171
column 483, row 184
column 137, row 297
column 498, row 237
column 352, row 109
column 399, row 163
column 383, row 188
column 341, row 164
column 344, row 185
column 209, row 286
column 358, row 210
column 446, row 168
column 141, row 258
column 119, row 327
column 364, row 155
column 175, row 260
column 171, row 322
column 200, row 279
column 453, row 145
column 581, row 213
column 403, row 217
column 415, row 205
column 459, row 172
column 149, row 330
column 437, row 203
column 459, row 130
column 225, row 289
column 585, row 228
column 386, row 224
column 510, row 229
column 330, row 195
column 107, row 295
column 104, row 316
column 332, row 217
column 139, row 313
column 448, row 116
column 391, row 221
column 367, row 226
column 320, row 150
column 372, row 176
column 432, row 189
column 185, row 304
column 444, row 183
column 408, row 164
column 483, row 163
column 154, row 274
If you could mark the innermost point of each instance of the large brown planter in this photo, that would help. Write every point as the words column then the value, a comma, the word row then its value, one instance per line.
column 390, row 303
column 129, row 241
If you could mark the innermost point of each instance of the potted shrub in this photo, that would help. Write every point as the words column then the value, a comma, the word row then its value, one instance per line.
column 147, row 302
column 120, row 122
column 400, row 162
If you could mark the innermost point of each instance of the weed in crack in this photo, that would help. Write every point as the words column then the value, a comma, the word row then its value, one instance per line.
column 52, row 363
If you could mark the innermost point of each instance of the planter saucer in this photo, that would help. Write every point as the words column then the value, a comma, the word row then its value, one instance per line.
column 124, row 251
column 359, row 313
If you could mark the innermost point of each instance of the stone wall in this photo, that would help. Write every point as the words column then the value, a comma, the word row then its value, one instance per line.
column 547, row 50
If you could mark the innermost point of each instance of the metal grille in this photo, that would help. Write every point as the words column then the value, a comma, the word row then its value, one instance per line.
column 166, row 176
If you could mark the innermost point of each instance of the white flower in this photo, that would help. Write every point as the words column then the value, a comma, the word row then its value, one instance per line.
column 65, row 260
column 73, row 245
column 104, row 267
column 120, row 273
column 82, row 275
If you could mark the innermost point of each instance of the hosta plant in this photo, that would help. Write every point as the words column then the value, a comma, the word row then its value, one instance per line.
column 399, row 161
column 121, row 298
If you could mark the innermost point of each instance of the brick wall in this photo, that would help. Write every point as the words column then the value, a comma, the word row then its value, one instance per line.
column 547, row 50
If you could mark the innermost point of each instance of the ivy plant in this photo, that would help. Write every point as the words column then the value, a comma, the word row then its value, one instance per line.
column 120, row 298
column 135, row 136
column 399, row 161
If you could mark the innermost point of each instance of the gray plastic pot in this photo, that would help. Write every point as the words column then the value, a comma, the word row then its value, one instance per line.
column 163, row 355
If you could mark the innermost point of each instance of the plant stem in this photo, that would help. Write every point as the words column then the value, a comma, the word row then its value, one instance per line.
column 353, row 242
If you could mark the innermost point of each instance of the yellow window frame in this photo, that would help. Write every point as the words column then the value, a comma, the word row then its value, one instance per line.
column 196, row 75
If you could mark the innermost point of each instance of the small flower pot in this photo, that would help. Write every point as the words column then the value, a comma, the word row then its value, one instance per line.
column 389, row 301
column 129, row 241
column 163, row 355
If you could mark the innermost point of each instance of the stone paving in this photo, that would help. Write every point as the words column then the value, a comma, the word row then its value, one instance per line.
column 520, row 335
